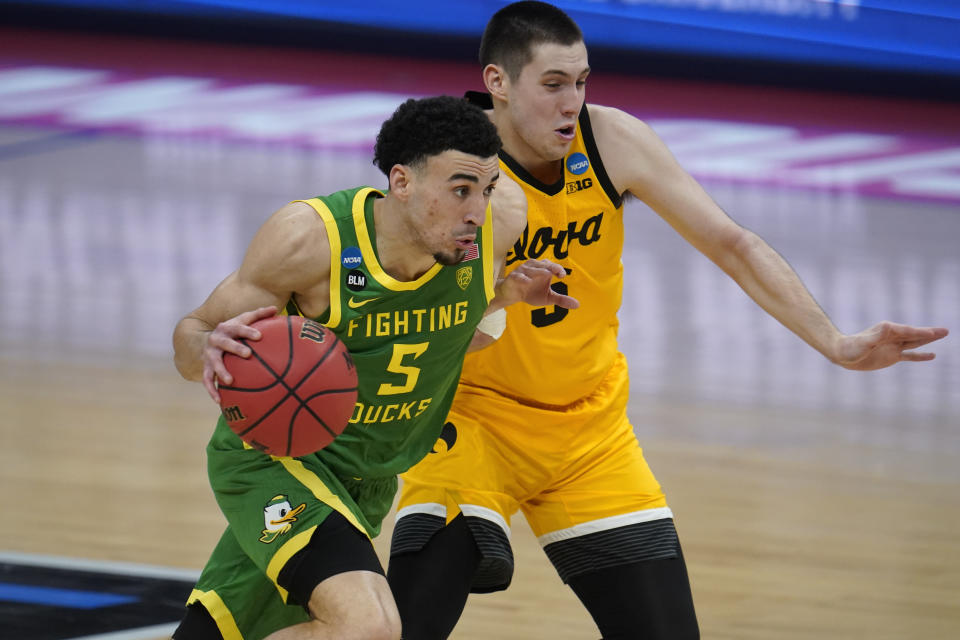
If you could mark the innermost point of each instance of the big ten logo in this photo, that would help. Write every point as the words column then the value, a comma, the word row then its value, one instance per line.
column 312, row 331
column 579, row 185
column 536, row 244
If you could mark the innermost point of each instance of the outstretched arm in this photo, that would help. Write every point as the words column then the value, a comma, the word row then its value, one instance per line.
column 639, row 162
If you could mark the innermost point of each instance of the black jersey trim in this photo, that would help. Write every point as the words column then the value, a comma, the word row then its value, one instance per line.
column 528, row 178
column 593, row 152
column 479, row 98
column 484, row 101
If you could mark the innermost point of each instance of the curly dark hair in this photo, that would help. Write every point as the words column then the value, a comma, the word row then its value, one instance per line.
column 427, row 127
column 514, row 31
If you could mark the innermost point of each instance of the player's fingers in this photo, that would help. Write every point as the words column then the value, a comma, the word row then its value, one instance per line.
column 542, row 272
column 930, row 335
column 561, row 300
column 228, row 331
column 917, row 356
column 913, row 344
column 247, row 332
column 220, row 372
column 239, row 327
column 227, row 345
column 544, row 266
column 906, row 332
column 210, row 385
column 554, row 268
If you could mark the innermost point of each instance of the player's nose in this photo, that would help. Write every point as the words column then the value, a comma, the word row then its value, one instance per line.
column 476, row 214
column 570, row 102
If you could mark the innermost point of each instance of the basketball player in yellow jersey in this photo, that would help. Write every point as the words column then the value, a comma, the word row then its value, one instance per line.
column 539, row 422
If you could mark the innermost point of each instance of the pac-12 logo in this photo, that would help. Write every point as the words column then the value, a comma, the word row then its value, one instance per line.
column 351, row 257
column 577, row 163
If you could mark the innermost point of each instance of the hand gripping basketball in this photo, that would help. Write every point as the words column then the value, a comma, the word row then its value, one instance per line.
column 296, row 391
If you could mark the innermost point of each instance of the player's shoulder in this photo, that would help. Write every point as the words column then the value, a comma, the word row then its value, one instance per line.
column 508, row 204
column 615, row 127
column 296, row 216
column 293, row 229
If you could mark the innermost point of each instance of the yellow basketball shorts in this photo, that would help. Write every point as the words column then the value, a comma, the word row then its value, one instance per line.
column 577, row 473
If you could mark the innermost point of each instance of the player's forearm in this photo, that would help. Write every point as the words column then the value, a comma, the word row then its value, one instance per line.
column 773, row 284
column 502, row 298
column 189, row 339
column 480, row 341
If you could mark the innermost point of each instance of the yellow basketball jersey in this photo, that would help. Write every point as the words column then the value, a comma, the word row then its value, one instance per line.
column 552, row 355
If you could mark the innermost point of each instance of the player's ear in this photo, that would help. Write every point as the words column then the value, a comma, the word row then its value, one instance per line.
column 496, row 81
column 400, row 179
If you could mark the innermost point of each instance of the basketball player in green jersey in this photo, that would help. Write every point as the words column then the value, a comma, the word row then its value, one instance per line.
column 555, row 440
column 404, row 279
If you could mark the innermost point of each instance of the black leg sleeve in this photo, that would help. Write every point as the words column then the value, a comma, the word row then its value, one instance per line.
column 431, row 585
column 649, row 600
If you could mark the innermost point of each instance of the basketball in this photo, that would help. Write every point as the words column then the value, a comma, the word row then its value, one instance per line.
column 296, row 391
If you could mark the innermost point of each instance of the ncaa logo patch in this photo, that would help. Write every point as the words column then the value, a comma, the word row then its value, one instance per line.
column 577, row 163
column 351, row 258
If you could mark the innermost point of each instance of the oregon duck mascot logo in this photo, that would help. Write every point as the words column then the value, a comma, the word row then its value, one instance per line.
column 278, row 517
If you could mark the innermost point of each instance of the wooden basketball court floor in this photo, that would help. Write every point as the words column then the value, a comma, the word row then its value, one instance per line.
column 812, row 502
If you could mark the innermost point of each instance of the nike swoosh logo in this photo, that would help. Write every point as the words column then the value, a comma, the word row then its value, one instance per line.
column 356, row 304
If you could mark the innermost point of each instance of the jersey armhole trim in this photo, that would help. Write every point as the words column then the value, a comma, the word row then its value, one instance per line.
column 333, row 236
column 593, row 152
column 489, row 276
column 370, row 256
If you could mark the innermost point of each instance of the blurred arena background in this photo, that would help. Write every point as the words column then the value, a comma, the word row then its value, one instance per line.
column 142, row 144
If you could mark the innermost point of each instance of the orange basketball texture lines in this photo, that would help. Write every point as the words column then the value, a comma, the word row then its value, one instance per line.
column 296, row 391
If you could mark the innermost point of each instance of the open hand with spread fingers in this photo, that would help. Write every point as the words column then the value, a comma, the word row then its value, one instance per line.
column 530, row 282
column 885, row 344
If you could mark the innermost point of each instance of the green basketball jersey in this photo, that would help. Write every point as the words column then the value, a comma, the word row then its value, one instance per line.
column 407, row 339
